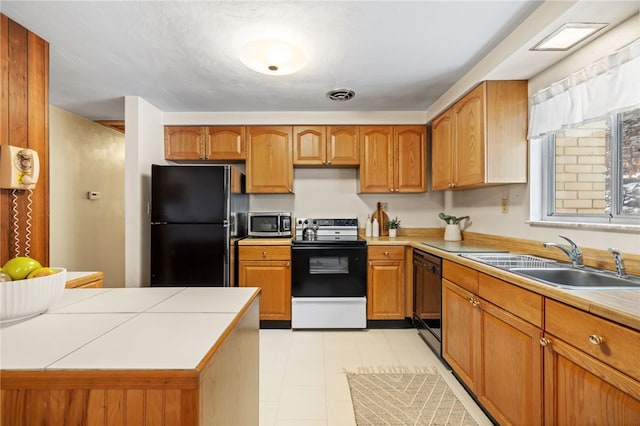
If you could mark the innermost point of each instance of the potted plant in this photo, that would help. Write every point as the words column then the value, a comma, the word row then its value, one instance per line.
column 452, row 227
column 393, row 225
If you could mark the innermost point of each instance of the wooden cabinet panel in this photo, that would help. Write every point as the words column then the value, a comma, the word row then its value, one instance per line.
column 268, row 267
column 481, row 140
column 326, row 146
column 582, row 330
column 184, row 143
column 461, row 275
column 410, row 165
column 469, row 138
column 510, row 387
column 523, row 303
column 274, row 278
column 225, row 143
column 385, row 283
column 442, row 151
column 269, row 163
column 579, row 389
column 376, row 158
column 393, row 159
column 309, row 145
column 343, row 146
column 461, row 339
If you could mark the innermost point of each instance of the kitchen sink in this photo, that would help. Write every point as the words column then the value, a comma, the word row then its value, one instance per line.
column 508, row 261
column 557, row 274
column 569, row 277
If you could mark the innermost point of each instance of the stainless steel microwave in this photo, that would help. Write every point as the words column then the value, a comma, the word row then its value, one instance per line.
column 269, row 224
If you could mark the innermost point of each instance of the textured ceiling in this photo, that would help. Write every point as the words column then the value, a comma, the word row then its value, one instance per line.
column 183, row 55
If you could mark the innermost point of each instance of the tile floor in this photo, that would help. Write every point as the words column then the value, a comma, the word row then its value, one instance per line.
column 302, row 373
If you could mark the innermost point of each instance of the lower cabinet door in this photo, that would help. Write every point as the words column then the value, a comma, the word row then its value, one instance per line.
column 510, row 387
column 274, row 278
column 581, row 390
column 461, row 333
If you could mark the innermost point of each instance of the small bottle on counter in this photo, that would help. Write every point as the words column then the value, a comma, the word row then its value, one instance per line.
column 367, row 226
column 375, row 228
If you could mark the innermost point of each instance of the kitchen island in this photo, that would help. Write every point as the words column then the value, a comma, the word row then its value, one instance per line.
column 135, row 356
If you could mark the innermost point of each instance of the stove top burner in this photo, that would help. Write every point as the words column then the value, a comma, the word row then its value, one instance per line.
column 322, row 231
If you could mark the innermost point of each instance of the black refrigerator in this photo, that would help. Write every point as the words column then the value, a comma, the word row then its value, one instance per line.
column 197, row 214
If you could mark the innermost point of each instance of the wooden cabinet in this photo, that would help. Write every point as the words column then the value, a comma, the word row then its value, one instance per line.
column 204, row 143
column 495, row 351
column 385, row 283
column 592, row 369
column 85, row 280
column 225, row 143
column 481, row 140
column 269, row 163
column 326, row 146
column 184, row 143
column 392, row 159
column 268, row 267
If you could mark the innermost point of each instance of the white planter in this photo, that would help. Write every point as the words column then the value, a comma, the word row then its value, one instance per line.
column 452, row 233
column 393, row 233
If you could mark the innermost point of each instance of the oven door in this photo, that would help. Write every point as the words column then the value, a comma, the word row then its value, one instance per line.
column 328, row 271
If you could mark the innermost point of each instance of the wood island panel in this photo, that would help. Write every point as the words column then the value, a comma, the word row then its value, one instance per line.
column 221, row 390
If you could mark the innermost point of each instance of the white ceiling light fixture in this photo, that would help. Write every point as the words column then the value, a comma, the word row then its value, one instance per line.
column 273, row 57
column 568, row 35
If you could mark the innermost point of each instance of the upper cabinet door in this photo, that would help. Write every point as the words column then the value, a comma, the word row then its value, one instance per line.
column 225, row 143
column 309, row 145
column 442, row 151
column 410, row 159
column 469, row 135
column 376, row 158
column 343, row 146
column 269, row 163
column 184, row 143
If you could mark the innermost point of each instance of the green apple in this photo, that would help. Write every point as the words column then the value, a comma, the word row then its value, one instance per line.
column 19, row 267
column 41, row 272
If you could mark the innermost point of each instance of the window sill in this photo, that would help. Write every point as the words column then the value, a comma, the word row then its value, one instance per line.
column 615, row 227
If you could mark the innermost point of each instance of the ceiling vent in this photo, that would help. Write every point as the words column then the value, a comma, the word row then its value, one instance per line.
column 341, row 94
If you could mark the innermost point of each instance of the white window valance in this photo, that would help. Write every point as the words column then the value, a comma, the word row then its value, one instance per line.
column 609, row 85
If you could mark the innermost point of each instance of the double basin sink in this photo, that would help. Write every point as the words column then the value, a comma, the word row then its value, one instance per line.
column 556, row 274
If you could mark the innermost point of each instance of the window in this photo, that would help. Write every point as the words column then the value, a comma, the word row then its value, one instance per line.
column 591, row 173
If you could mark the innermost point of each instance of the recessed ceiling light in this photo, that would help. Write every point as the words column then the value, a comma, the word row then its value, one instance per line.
column 273, row 57
column 568, row 35
column 340, row 94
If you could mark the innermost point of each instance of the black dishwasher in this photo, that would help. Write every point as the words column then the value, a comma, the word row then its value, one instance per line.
column 427, row 298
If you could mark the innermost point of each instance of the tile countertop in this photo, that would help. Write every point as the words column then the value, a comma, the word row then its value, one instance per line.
column 124, row 329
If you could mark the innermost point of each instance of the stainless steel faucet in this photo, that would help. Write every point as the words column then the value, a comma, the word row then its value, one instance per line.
column 618, row 259
column 575, row 254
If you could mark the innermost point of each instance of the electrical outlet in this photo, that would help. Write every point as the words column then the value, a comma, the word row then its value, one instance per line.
column 384, row 207
column 505, row 206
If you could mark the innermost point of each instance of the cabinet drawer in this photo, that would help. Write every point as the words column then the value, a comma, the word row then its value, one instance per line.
column 461, row 275
column 265, row 253
column 520, row 302
column 386, row 252
column 619, row 346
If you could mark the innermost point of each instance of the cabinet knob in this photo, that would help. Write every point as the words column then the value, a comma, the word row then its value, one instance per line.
column 264, row 254
column 386, row 253
column 290, row 189
column 329, row 162
column 475, row 302
column 544, row 341
column 594, row 339
column 288, row 264
column 324, row 162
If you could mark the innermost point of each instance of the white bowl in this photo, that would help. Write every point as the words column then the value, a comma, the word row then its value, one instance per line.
column 22, row 299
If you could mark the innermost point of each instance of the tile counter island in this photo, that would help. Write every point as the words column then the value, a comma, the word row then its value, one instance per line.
column 135, row 356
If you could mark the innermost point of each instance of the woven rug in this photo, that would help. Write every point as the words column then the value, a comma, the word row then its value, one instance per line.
column 402, row 397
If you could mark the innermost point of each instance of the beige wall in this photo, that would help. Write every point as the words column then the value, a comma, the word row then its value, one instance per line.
column 86, row 235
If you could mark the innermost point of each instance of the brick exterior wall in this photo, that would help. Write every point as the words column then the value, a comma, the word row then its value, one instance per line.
column 581, row 170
